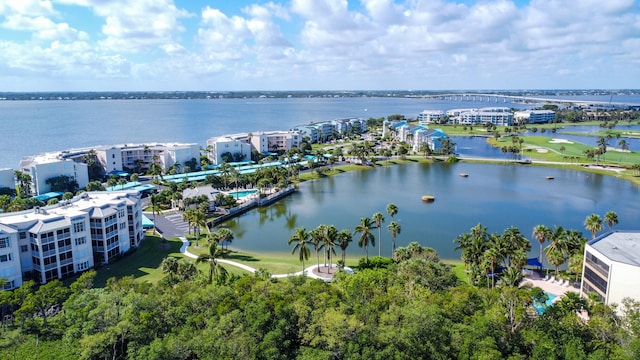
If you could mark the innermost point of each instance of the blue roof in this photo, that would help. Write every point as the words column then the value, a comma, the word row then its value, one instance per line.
column 48, row 196
column 146, row 222
column 534, row 262
column 118, row 173
column 129, row 185
column 144, row 187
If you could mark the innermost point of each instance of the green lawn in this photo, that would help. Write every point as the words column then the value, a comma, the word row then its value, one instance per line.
column 142, row 264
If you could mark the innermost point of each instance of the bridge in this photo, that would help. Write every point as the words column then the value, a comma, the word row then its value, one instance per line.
column 523, row 99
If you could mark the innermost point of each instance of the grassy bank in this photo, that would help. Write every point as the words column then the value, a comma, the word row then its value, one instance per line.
column 143, row 264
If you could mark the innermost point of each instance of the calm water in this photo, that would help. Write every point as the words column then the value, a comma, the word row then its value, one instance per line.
column 42, row 126
column 498, row 196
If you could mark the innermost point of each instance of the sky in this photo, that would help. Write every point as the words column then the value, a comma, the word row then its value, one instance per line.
column 235, row 45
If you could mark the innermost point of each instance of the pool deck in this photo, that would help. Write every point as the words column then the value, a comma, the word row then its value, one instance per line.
column 535, row 280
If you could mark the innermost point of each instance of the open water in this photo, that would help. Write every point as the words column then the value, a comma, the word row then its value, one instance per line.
column 33, row 127
column 497, row 196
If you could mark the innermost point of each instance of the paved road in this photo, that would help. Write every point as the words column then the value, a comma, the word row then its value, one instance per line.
column 169, row 225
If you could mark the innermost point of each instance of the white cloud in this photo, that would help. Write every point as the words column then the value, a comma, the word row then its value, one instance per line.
column 26, row 7
column 329, row 43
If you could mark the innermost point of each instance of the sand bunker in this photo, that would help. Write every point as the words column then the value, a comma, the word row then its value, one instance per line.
column 560, row 141
column 542, row 151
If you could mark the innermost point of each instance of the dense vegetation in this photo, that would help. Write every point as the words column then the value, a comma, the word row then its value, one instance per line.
column 413, row 307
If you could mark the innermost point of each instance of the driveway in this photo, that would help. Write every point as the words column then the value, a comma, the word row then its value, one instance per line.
column 169, row 225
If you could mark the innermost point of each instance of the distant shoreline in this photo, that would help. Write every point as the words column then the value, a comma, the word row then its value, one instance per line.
column 212, row 95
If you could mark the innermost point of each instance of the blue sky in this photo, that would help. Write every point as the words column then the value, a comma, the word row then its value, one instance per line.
column 221, row 45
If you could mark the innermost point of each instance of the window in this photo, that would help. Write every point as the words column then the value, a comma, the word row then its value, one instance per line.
column 83, row 266
column 78, row 227
column 5, row 258
column 81, row 241
column 4, row 243
column 24, row 248
column 9, row 285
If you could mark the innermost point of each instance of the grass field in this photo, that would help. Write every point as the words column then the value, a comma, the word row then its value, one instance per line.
column 143, row 264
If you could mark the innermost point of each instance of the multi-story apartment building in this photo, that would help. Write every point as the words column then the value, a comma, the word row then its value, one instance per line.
column 271, row 141
column 7, row 178
column 501, row 116
column 415, row 135
column 46, row 166
column 534, row 116
column 138, row 157
column 57, row 241
column 611, row 267
column 235, row 144
column 431, row 116
column 322, row 131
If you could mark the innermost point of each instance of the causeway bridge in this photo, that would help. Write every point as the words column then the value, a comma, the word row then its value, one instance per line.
column 524, row 99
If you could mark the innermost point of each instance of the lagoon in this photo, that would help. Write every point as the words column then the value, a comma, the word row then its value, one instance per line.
column 496, row 195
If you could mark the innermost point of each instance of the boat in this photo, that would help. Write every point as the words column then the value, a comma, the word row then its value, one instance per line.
column 549, row 178
column 428, row 198
column 464, row 175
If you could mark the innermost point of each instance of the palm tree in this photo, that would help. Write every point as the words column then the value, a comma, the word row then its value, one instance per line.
column 510, row 277
column 624, row 147
column 395, row 228
column 316, row 240
column 344, row 238
column 514, row 242
column 392, row 210
column 611, row 218
column 555, row 257
column 541, row 233
column 155, row 170
column 464, row 242
column 491, row 257
column 224, row 236
column 378, row 218
column 329, row 236
column 169, row 266
column 301, row 239
column 593, row 223
column 225, row 172
column 366, row 237
column 212, row 258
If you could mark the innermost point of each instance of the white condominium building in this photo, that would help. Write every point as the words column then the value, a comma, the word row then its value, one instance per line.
column 501, row 116
column 138, row 157
column 237, row 145
column 57, row 241
column 271, row 141
column 7, row 178
column 611, row 267
column 535, row 116
column 431, row 116
column 46, row 166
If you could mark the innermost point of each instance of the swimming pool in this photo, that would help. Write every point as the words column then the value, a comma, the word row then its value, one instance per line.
column 540, row 308
column 243, row 193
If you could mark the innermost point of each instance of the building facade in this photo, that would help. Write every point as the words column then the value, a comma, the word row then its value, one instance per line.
column 238, row 145
column 534, row 116
column 46, row 166
column 273, row 141
column 7, row 178
column 431, row 116
column 500, row 116
column 138, row 157
column 611, row 267
column 58, row 241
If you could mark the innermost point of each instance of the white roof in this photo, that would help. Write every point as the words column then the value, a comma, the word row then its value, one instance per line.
column 619, row 246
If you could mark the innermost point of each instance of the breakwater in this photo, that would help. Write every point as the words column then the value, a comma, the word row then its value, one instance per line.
column 252, row 203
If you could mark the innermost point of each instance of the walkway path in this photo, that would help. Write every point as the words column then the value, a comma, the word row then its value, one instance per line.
column 308, row 271
column 548, row 286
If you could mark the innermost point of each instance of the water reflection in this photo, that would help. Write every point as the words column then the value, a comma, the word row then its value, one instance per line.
column 498, row 196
